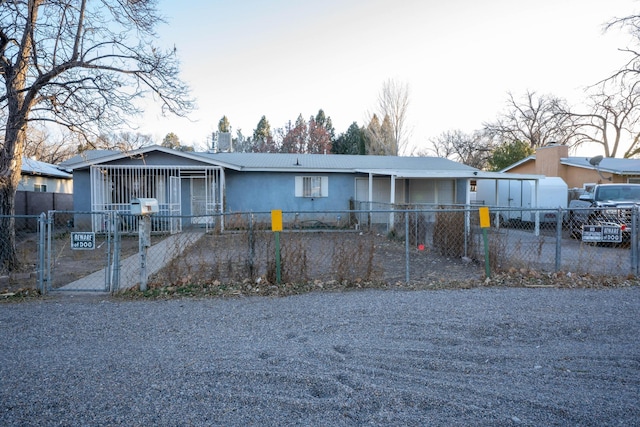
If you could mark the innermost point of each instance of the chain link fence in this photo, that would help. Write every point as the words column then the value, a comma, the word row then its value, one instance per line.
column 407, row 244
column 24, row 266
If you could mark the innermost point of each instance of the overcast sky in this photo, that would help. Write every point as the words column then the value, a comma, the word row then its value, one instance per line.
column 282, row 58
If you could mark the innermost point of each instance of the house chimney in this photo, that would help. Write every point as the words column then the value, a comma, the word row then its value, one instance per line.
column 548, row 159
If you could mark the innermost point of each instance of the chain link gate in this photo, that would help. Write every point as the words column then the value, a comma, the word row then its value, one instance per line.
column 80, row 248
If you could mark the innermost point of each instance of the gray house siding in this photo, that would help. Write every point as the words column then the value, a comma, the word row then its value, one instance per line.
column 82, row 190
column 265, row 191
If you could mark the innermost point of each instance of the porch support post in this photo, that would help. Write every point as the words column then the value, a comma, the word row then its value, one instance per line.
column 537, row 212
column 221, row 187
column 467, row 215
column 370, row 191
column 370, row 199
column 392, row 202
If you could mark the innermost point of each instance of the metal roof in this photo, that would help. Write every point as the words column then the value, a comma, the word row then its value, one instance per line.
column 332, row 162
column 608, row 164
column 35, row 167
column 402, row 167
column 89, row 156
column 280, row 161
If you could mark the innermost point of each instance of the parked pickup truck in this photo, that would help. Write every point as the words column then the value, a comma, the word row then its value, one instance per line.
column 604, row 214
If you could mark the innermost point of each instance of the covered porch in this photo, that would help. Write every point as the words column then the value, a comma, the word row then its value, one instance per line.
column 186, row 195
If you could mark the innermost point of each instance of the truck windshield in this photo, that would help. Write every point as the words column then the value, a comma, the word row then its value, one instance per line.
column 618, row 193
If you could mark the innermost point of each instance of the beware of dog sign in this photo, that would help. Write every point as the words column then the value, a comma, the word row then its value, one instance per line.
column 83, row 240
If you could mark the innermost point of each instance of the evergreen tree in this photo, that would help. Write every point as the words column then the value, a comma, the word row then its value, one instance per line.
column 325, row 122
column 263, row 130
column 389, row 147
column 224, row 125
column 508, row 154
column 374, row 137
column 172, row 141
column 262, row 137
column 353, row 141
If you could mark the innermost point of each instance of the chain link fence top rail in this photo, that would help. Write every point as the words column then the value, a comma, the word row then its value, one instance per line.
column 407, row 244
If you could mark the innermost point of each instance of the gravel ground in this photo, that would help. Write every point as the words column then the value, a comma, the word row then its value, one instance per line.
column 488, row 356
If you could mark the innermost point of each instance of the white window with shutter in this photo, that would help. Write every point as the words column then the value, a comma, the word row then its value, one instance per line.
column 312, row 186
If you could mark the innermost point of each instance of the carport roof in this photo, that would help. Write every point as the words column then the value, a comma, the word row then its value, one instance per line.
column 474, row 174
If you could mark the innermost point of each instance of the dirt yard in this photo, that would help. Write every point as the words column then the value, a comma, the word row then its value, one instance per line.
column 67, row 264
column 318, row 255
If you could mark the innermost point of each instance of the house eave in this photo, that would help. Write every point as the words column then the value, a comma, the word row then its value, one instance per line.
column 144, row 150
column 518, row 163
column 453, row 174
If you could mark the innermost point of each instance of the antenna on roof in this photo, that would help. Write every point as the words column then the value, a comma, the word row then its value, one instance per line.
column 297, row 162
column 595, row 162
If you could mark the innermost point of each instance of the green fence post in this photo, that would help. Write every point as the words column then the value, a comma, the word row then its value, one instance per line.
column 278, row 266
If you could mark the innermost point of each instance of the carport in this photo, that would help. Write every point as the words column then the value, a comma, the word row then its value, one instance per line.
column 434, row 188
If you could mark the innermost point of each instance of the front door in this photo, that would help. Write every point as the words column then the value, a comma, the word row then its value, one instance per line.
column 198, row 200
column 174, row 204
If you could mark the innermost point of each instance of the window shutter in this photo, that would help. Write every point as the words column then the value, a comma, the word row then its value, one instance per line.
column 324, row 187
column 299, row 185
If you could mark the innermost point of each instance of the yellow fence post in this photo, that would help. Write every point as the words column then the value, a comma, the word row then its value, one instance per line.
column 276, row 227
column 485, row 223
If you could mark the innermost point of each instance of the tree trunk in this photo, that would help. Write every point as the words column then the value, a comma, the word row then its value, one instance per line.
column 10, row 174
column 8, row 257
column 18, row 108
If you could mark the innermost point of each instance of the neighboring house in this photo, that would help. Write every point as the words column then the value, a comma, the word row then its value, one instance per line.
column 577, row 171
column 42, row 187
column 192, row 184
column 44, row 177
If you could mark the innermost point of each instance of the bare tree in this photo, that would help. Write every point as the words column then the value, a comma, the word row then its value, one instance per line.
column 393, row 105
column 121, row 141
column 470, row 149
column 614, row 118
column 81, row 65
column 612, row 121
column 537, row 120
column 630, row 69
column 43, row 146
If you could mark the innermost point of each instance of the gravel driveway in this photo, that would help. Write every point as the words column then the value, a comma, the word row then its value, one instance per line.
column 492, row 356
